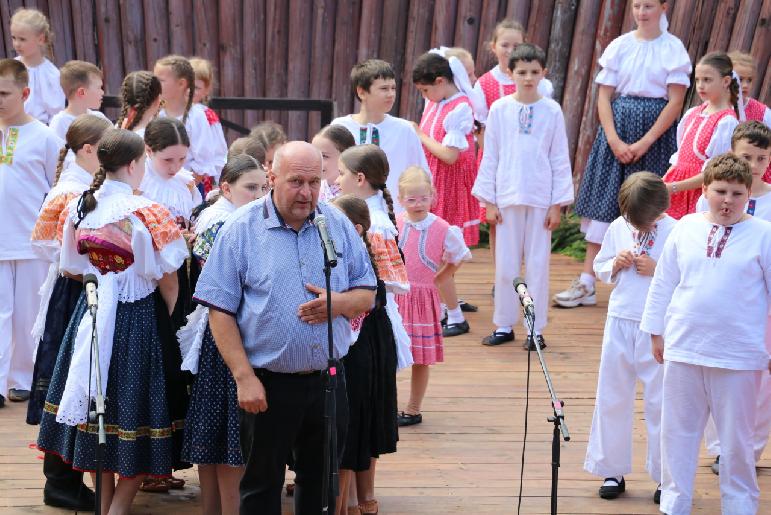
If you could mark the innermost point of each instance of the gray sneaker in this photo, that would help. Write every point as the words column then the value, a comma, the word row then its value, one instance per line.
column 577, row 295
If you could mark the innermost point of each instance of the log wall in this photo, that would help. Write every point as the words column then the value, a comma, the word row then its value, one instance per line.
column 305, row 48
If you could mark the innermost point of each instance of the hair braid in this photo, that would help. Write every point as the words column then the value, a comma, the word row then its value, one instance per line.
column 87, row 202
column 734, row 89
column 60, row 162
column 371, row 255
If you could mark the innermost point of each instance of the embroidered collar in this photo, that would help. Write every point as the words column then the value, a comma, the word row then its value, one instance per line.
column 76, row 173
column 501, row 77
column 6, row 157
column 422, row 225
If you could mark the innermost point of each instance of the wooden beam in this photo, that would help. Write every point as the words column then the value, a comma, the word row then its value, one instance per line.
column 418, row 40
column 722, row 26
column 744, row 28
column 560, row 38
column 110, row 37
column 181, row 27
column 484, row 58
column 157, row 29
column 277, row 44
column 253, row 56
column 370, row 27
column 230, row 60
column 133, row 31
column 443, row 28
column 467, row 25
column 298, row 65
column 322, row 53
column 205, row 31
column 392, row 42
column 519, row 10
column 539, row 23
column 761, row 49
column 345, row 54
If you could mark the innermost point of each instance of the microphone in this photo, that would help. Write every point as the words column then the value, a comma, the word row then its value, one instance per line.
column 524, row 297
column 326, row 241
column 92, row 299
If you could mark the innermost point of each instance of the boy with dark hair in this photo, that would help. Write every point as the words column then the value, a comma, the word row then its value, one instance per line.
column 524, row 179
column 373, row 83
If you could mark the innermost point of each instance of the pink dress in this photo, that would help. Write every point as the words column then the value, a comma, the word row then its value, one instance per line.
column 451, row 124
column 421, row 308
column 692, row 153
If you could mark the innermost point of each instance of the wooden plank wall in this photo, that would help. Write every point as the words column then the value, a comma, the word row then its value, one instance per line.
column 305, row 48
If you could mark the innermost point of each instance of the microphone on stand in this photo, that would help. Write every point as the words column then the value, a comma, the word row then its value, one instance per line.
column 326, row 240
column 92, row 299
column 524, row 297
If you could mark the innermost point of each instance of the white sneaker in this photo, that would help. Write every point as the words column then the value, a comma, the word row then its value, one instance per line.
column 577, row 295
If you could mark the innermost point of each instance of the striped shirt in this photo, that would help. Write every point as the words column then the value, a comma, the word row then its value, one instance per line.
column 257, row 272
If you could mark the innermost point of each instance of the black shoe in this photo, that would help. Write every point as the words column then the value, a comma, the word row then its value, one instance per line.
column 529, row 345
column 613, row 490
column 2, row 401
column 17, row 395
column 455, row 329
column 715, row 466
column 466, row 307
column 498, row 338
column 80, row 499
column 444, row 321
column 405, row 419
column 657, row 495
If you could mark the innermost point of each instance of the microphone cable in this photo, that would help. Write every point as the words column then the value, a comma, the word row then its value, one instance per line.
column 524, row 437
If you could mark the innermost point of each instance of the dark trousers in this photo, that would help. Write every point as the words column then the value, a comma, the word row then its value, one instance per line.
column 294, row 422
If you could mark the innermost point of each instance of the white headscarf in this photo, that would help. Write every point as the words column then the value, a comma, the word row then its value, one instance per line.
column 740, row 102
column 460, row 79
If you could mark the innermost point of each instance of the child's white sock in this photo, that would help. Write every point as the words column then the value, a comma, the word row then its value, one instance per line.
column 503, row 329
column 444, row 310
column 455, row 316
column 587, row 280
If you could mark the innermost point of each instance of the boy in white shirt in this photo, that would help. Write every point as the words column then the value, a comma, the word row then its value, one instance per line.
column 524, row 179
column 82, row 83
column 374, row 85
column 28, row 158
column 712, row 344
column 631, row 246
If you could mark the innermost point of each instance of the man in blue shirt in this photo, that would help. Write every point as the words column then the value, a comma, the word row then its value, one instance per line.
column 264, row 284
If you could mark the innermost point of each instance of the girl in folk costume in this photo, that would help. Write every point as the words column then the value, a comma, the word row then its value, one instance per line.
column 704, row 132
column 140, row 96
column 60, row 293
column 272, row 136
column 433, row 250
column 369, row 375
column 212, row 438
column 446, row 131
column 204, row 79
column 745, row 67
column 208, row 148
column 331, row 141
column 363, row 173
column 32, row 40
column 135, row 248
column 642, row 85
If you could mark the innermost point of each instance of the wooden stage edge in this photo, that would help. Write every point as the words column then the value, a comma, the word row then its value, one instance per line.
column 465, row 456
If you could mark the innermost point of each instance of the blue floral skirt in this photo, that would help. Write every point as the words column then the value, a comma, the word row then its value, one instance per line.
column 212, row 435
column 139, row 428
column 64, row 300
column 604, row 174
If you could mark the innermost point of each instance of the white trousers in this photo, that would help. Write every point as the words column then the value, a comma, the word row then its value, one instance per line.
column 19, row 302
column 762, row 423
column 521, row 235
column 626, row 357
column 691, row 393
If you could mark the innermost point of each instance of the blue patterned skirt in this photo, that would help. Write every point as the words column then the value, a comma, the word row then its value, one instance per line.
column 139, row 428
column 212, row 434
column 64, row 300
column 604, row 174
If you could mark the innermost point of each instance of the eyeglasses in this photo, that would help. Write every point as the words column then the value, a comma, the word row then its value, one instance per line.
column 413, row 201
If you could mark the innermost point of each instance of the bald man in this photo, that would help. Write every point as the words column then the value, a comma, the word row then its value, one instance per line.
column 264, row 284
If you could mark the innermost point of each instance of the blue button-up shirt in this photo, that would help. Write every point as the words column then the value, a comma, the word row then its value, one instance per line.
column 257, row 271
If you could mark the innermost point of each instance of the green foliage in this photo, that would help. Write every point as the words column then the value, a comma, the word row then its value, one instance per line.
column 568, row 239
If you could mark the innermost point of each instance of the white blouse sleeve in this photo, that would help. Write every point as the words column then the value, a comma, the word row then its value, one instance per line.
column 676, row 62
column 53, row 96
column 152, row 263
column 546, row 88
column 720, row 143
column 559, row 159
column 455, row 249
column 603, row 262
column 458, row 123
column 701, row 204
column 484, row 185
column 767, row 117
column 665, row 279
column 208, row 148
column 610, row 62
column 70, row 260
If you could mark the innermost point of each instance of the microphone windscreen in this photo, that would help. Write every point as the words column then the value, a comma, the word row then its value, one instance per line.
column 90, row 279
column 518, row 281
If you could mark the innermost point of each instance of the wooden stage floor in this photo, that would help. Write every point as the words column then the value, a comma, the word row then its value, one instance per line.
column 465, row 456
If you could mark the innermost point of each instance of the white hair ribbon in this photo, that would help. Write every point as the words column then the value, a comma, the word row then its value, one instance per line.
column 461, row 81
column 740, row 102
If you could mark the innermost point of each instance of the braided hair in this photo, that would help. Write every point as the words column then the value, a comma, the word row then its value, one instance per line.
column 116, row 149
column 87, row 129
column 371, row 161
column 721, row 63
column 182, row 69
column 357, row 212
column 139, row 90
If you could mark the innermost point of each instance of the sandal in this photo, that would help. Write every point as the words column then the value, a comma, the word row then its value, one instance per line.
column 367, row 506
column 175, row 483
column 155, row 485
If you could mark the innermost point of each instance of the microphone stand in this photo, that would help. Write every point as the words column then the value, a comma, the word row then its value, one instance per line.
column 558, row 418
column 98, row 414
column 330, row 404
